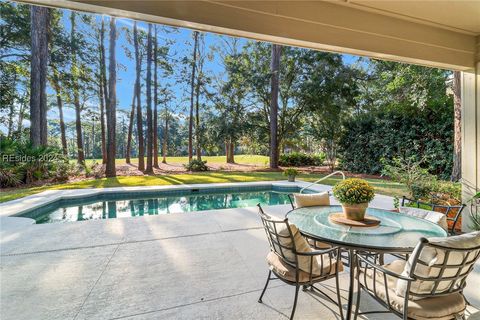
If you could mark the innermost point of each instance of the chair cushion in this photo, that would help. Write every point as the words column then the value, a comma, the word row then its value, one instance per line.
column 301, row 245
column 287, row 272
column 433, row 257
column 432, row 216
column 441, row 308
column 311, row 200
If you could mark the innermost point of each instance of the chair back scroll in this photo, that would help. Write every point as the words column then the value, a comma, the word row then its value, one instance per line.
column 280, row 238
column 445, row 274
column 452, row 213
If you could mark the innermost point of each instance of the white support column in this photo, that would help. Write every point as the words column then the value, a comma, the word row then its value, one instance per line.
column 470, row 137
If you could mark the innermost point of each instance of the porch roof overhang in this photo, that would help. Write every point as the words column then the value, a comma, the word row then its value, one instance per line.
column 443, row 34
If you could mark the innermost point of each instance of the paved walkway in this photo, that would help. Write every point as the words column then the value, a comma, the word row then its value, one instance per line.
column 203, row 265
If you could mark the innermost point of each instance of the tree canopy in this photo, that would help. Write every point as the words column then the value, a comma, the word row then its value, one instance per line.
column 204, row 94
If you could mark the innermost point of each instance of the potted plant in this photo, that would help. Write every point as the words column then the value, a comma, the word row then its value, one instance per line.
column 475, row 212
column 290, row 173
column 354, row 195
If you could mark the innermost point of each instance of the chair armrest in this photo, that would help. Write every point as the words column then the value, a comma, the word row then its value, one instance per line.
column 381, row 268
column 403, row 256
column 328, row 253
column 291, row 201
column 318, row 252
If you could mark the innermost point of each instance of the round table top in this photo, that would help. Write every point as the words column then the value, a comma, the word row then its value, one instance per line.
column 396, row 232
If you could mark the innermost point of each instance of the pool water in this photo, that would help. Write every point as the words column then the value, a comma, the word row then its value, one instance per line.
column 120, row 205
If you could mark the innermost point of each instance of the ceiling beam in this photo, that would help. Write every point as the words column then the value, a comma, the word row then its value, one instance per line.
column 317, row 25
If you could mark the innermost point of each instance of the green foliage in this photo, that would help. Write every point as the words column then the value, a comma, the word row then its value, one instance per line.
column 409, row 172
column 197, row 165
column 392, row 85
column 396, row 202
column 90, row 168
column 403, row 111
column 298, row 159
column 8, row 178
column 475, row 197
column 475, row 216
column 353, row 191
column 290, row 172
column 63, row 170
column 327, row 91
column 420, row 184
column 447, row 191
column 22, row 163
column 228, row 123
column 15, row 34
column 475, row 224
column 423, row 135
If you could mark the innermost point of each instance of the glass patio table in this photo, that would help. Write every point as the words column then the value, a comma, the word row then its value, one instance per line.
column 396, row 233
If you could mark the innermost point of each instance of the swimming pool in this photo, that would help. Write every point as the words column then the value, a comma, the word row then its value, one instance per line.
column 131, row 204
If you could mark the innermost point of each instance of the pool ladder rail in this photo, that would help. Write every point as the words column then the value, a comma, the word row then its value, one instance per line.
column 323, row 178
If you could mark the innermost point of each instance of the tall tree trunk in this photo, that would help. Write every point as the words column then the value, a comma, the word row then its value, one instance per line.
column 93, row 139
column 165, row 137
column 230, row 150
column 155, row 101
column 192, row 93
column 124, row 135
column 275, row 67
column 138, row 68
column 227, row 150
column 21, row 114
column 40, row 18
column 101, row 98
column 130, row 128
column 198, row 149
column 149, row 168
column 112, row 102
column 103, row 91
column 76, row 94
column 58, row 93
column 457, row 144
column 11, row 111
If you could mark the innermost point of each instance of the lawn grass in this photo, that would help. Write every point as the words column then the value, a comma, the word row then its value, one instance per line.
column 239, row 159
column 381, row 186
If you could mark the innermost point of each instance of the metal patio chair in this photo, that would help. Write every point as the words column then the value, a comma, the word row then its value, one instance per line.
column 444, row 209
column 428, row 285
column 285, row 261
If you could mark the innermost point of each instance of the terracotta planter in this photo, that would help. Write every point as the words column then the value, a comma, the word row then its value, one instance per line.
column 355, row 211
column 291, row 178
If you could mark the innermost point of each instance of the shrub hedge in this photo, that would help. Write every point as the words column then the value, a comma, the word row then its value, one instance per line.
column 21, row 163
column 196, row 165
column 297, row 159
column 386, row 134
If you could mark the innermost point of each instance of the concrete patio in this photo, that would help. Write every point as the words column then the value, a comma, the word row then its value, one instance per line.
column 203, row 265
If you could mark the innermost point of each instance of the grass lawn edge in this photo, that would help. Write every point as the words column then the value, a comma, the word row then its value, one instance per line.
column 384, row 187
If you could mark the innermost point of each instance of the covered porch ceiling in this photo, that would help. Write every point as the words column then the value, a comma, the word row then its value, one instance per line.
column 442, row 34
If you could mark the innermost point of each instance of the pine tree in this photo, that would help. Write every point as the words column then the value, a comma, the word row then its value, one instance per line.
column 38, row 81
column 110, row 170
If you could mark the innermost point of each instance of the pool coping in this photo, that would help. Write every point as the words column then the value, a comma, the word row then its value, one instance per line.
column 16, row 207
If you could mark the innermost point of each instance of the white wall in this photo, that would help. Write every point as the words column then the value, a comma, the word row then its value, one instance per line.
column 471, row 139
